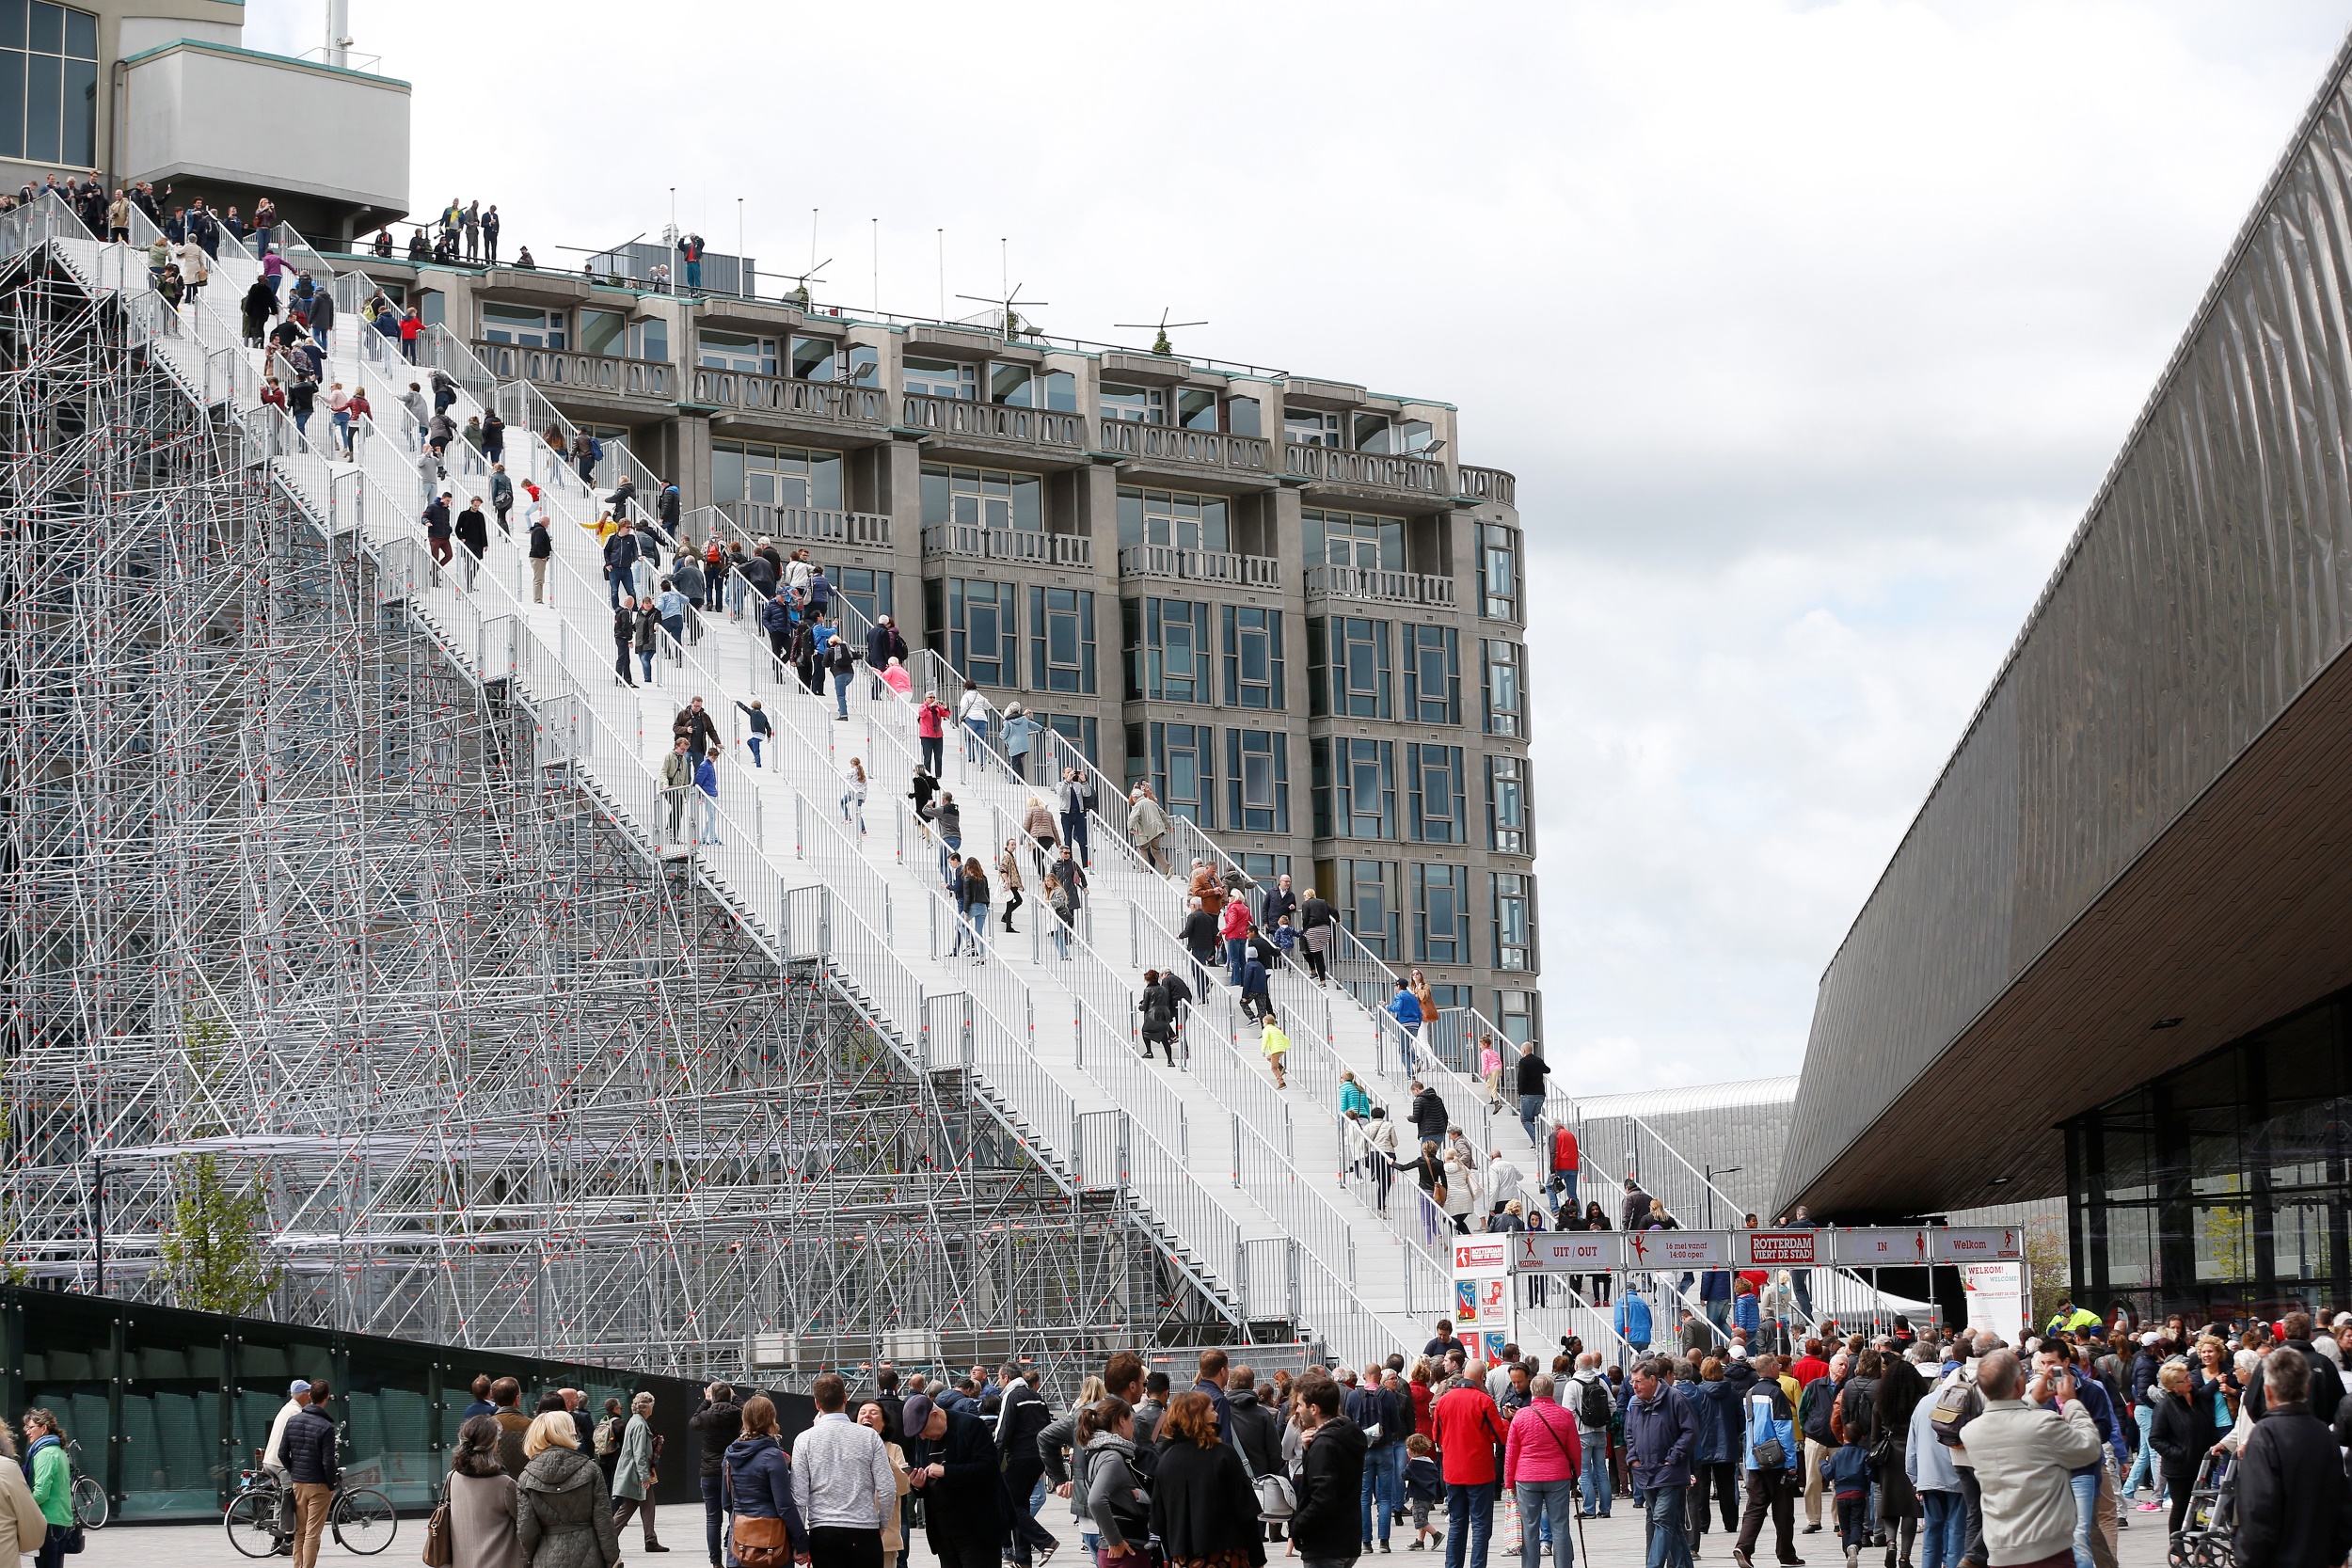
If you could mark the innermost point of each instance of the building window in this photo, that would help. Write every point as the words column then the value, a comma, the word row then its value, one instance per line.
column 1243, row 417
column 1434, row 802
column 1081, row 731
column 1265, row 870
column 1172, row 517
column 976, row 621
column 520, row 324
column 1433, row 675
column 1167, row 650
column 1365, row 891
column 734, row 351
column 1183, row 771
column 48, row 84
column 1354, row 787
column 1514, row 914
column 1498, row 572
column 822, row 359
column 1514, row 1012
column 649, row 339
column 1506, row 805
column 940, row 378
column 986, row 498
column 1441, row 919
column 775, row 476
column 604, row 333
column 868, row 589
column 1195, row 408
column 1258, row 781
column 1353, row 539
column 1140, row 404
column 1348, row 676
column 1061, row 640
column 1505, row 714
column 1019, row 386
column 1253, row 658
column 1311, row 427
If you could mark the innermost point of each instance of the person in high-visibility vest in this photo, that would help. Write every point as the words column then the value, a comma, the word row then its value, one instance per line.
column 2070, row 1318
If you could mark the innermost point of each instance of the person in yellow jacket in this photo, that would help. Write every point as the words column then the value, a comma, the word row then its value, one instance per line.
column 1276, row 1045
column 2070, row 1318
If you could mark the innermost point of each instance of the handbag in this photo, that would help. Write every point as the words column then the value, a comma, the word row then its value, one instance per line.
column 74, row 1541
column 438, row 1551
column 1276, row 1499
column 756, row 1543
column 1769, row 1454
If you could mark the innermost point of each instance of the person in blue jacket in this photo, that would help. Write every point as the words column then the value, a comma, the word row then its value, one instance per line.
column 1771, row 1433
column 1632, row 1320
column 1406, row 1008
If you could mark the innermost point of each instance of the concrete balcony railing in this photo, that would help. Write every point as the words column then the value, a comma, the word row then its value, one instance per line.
column 960, row 417
column 1486, row 484
column 976, row 542
column 580, row 372
column 740, row 391
column 1169, row 561
column 1207, row 449
column 1384, row 587
column 865, row 530
column 1417, row 476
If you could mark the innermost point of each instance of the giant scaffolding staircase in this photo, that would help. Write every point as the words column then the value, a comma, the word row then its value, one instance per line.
column 1247, row 1189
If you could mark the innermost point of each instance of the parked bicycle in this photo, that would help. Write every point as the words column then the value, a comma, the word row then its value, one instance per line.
column 260, row 1518
column 90, row 1508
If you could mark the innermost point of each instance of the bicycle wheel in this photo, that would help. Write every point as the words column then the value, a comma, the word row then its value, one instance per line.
column 90, row 1509
column 251, row 1521
column 364, row 1521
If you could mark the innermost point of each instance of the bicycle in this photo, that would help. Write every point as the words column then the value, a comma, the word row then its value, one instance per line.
column 91, row 1509
column 360, row 1518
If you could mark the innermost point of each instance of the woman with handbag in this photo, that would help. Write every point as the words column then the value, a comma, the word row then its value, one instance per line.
column 1117, row 1499
column 562, row 1514
column 756, row 1482
column 1204, row 1511
column 479, row 1513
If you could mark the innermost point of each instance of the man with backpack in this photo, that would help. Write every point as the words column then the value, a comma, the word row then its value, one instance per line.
column 1593, row 1406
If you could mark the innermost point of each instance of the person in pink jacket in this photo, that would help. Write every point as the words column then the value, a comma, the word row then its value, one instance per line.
column 1234, row 925
column 1540, row 1464
column 927, row 720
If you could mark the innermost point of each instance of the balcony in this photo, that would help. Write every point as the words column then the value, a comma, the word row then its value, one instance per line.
column 1199, row 449
column 960, row 418
column 862, row 530
column 974, row 542
column 1381, row 587
column 1169, row 561
column 1364, row 470
column 1486, row 484
column 580, row 372
column 831, row 401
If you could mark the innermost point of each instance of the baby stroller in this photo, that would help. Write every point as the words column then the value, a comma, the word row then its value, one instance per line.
column 2206, row 1538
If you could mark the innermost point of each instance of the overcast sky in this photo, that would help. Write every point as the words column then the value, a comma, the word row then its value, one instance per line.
column 1807, row 328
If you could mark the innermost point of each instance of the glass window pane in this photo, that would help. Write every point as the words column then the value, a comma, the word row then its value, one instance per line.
column 813, row 358
column 1009, row 385
column 1195, row 409
column 81, row 112
column 48, row 28
column 1242, row 417
column 603, row 332
column 1028, row 502
column 81, row 34
column 1062, row 391
column 44, row 88
column 13, row 24
column 13, row 101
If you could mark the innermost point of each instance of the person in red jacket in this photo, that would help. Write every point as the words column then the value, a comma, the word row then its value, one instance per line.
column 1565, row 1161
column 1468, row 1431
column 1234, row 925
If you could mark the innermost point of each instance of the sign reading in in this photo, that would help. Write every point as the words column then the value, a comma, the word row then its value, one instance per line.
column 1980, row 1244
column 1906, row 1248
column 1567, row 1251
column 1768, row 1249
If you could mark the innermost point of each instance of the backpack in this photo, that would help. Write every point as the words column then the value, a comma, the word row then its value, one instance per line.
column 1592, row 1406
column 609, row 1436
column 1957, row 1403
column 596, row 449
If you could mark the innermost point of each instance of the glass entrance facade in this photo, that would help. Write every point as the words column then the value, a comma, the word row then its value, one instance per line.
column 2221, row 1187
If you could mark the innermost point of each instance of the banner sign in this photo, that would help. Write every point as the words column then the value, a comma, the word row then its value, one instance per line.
column 1997, row 1298
column 1771, row 1249
column 1678, row 1249
column 1980, row 1244
column 1482, row 1294
column 1882, row 1249
column 1567, row 1251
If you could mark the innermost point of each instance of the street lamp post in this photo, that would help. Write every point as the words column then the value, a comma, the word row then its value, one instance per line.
column 1708, row 1178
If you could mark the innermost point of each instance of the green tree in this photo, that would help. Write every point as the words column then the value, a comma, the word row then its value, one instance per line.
column 2049, row 1271
column 213, row 1253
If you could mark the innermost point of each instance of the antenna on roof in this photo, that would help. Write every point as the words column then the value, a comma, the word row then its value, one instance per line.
column 1010, row 320
column 1160, row 343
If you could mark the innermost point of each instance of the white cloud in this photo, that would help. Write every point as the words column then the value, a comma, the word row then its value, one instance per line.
column 1808, row 330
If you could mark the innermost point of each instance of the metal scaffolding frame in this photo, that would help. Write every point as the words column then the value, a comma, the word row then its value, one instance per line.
column 281, row 882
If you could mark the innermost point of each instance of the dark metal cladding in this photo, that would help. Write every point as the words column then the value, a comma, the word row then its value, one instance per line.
column 2209, row 583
